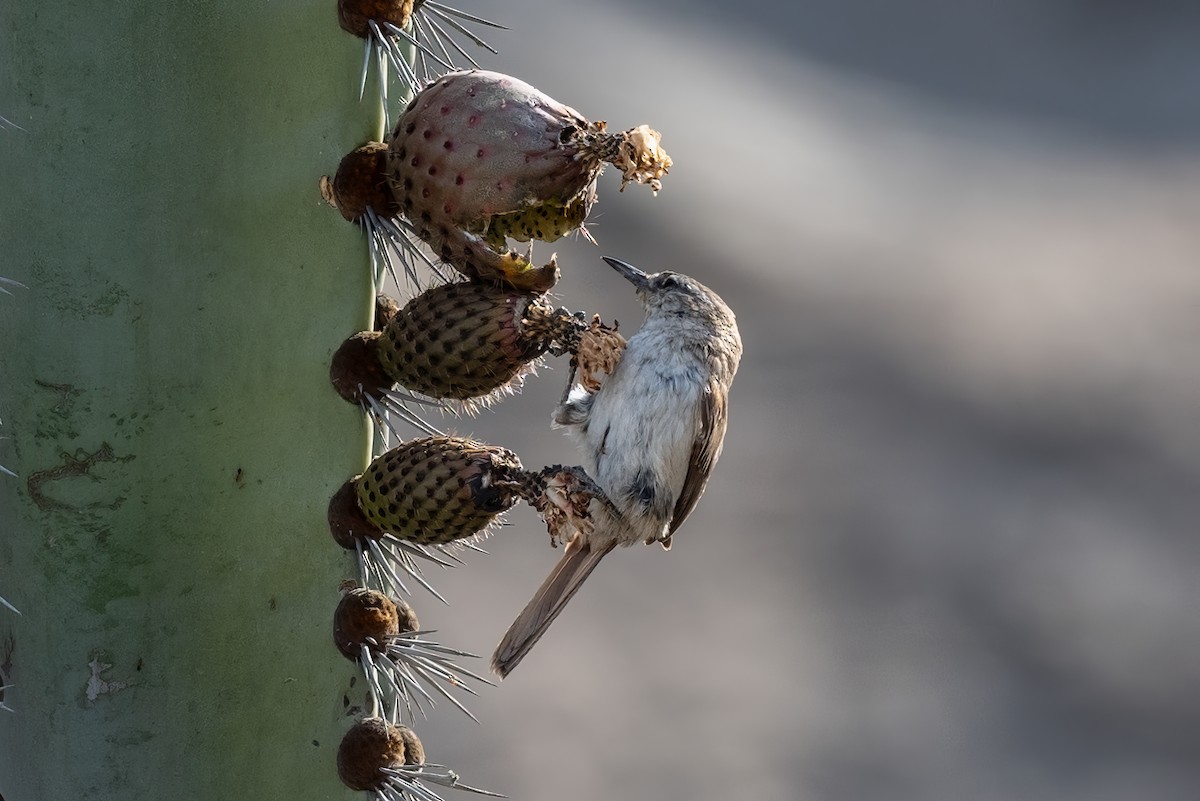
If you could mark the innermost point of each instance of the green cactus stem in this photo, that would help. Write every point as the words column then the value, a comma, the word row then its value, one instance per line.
column 165, row 388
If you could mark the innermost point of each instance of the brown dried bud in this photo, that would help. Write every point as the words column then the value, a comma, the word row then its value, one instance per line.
column 356, row 372
column 371, row 745
column 435, row 490
column 347, row 523
column 360, row 183
column 368, row 617
column 354, row 15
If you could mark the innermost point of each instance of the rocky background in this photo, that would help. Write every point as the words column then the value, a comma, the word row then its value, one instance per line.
column 951, row 550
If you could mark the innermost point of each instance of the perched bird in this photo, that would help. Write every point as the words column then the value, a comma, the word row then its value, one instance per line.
column 650, row 436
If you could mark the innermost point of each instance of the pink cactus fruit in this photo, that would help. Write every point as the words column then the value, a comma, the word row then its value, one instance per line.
column 478, row 156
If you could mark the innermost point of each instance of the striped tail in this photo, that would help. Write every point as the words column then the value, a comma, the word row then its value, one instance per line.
column 558, row 588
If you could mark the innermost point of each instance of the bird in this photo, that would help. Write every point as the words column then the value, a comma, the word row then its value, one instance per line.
column 650, row 436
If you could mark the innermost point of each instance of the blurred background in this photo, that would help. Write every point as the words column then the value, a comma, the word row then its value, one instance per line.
column 951, row 550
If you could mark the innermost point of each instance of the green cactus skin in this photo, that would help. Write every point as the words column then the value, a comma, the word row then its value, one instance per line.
column 166, row 391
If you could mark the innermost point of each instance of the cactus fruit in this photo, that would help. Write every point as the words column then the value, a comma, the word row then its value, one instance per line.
column 469, row 343
column 478, row 149
column 473, row 342
column 388, row 26
column 463, row 340
column 382, row 557
column 437, row 490
column 442, row 491
column 545, row 222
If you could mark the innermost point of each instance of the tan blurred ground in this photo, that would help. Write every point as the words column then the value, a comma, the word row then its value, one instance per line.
column 951, row 550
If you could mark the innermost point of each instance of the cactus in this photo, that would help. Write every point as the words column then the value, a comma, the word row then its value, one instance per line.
column 175, row 433
column 165, row 391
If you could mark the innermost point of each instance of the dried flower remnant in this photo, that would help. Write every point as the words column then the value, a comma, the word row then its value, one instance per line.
column 389, row 28
column 479, row 157
column 641, row 159
column 388, row 760
column 399, row 660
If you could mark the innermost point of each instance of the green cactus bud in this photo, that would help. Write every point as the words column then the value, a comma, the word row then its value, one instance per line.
column 437, row 490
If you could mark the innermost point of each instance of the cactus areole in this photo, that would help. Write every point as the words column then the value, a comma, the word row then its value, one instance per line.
column 355, row 16
column 368, row 617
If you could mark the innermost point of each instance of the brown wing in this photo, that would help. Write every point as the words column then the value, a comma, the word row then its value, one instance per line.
column 710, row 434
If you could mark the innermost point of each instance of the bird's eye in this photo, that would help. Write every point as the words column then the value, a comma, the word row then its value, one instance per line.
column 668, row 282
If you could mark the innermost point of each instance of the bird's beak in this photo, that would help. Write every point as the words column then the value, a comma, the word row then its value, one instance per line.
column 632, row 274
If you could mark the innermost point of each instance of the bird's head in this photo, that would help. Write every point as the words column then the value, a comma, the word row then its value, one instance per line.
column 670, row 293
